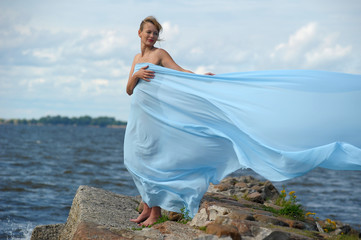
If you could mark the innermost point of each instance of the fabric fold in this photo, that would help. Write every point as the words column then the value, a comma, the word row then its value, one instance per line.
column 187, row 130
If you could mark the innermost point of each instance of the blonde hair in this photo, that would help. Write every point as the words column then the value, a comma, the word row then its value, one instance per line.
column 151, row 20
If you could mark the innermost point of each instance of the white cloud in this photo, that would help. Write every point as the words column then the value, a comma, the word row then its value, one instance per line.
column 326, row 52
column 296, row 43
column 31, row 85
column 310, row 48
column 47, row 54
column 64, row 51
column 204, row 69
column 170, row 31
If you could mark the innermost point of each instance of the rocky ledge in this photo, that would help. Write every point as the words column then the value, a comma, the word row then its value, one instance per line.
column 237, row 208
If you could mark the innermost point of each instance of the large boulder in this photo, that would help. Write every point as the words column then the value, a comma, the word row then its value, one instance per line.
column 237, row 208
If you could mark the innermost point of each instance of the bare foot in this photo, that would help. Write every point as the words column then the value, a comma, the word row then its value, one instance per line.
column 155, row 214
column 144, row 215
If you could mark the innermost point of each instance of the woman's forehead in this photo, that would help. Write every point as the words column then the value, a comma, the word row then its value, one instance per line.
column 150, row 26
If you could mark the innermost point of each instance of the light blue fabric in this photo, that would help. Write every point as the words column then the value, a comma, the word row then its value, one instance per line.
column 187, row 130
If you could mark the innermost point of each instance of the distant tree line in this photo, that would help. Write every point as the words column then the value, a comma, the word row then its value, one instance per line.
column 74, row 121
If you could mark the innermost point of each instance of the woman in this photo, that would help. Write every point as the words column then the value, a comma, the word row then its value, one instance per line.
column 149, row 34
column 187, row 130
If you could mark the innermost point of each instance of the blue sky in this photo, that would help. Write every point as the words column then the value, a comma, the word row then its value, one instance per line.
column 73, row 58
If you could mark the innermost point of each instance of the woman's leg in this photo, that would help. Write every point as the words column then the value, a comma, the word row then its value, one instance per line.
column 155, row 214
column 144, row 215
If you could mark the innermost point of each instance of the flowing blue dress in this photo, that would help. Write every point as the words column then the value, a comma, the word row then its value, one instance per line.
column 187, row 130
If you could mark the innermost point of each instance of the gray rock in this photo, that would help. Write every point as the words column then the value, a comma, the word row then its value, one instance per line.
column 100, row 214
column 47, row 232
column 93, row 205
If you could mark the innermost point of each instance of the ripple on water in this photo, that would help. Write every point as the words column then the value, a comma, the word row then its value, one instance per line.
column 40, row 178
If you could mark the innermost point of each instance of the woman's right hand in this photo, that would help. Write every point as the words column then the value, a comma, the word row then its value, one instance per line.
column 144, row 74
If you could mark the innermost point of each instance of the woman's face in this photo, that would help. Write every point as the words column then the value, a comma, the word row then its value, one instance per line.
column 149, row 35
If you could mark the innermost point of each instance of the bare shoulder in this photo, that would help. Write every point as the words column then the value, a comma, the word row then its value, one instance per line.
column 162, row 52
column 136, row 57
column 165, row 59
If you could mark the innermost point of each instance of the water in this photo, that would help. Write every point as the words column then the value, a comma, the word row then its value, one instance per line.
column 43, row 166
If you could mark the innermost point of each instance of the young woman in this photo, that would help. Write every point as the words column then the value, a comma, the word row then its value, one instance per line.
column 186, row 131
column 149, row 34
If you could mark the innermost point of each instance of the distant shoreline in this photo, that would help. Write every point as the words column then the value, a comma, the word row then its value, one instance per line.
column 62, row 125
column 58, row 120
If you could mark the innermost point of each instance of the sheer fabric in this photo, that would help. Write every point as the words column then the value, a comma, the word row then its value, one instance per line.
column 187, row 130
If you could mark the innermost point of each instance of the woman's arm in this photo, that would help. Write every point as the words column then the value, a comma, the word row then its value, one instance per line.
column 133, row 79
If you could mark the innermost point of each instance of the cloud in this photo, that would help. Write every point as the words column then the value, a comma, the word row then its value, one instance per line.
column 95, row 86
column 310, row 48
column 296, row 43
column 326, row 52
column 96, row 44
column 170, row 31
column 55, row 55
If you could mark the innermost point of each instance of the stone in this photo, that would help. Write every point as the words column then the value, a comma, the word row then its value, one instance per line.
column 200, row 219
column 277, row 235
column 93, row 205
column 271, row 220
column 241, row 185
column 92, row 231
column 222, row 187
column 174, row 216
column 223, row 230
column 270, row 192
column 241, row 215
column 346, row 229
column 255, row 197
column 177, row 231
column 47, row 232
column 100, row 214
column 295, row 224
column 215, row 211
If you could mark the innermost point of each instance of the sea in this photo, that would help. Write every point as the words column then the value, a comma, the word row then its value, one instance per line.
column 41, row 167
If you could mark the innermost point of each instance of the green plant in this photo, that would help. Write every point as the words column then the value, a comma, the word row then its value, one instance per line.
column 137, row 229
column 245, row 196
column 203, row 228
column 330, row 225
column 290, row 207
column 162, row 219
column 270, row 209
column 185, row 215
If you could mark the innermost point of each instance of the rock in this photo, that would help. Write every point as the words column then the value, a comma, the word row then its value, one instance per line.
column 246, row 186
column 200, row 219
column 92, row 231
column 177, row 231
column 277, row 235
column 215, row 211
column 241, row 185
column 223, row 214
column 241, row 215
column 269, row 191
column 255, row 197
column 174, row 216
column 271, row 220
column 103, row 208
column 47, row 232
column 221, row 230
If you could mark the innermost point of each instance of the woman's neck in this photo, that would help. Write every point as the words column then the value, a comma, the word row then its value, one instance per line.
column 144, row 50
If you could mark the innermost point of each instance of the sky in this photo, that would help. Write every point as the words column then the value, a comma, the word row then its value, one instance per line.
column 72, row 58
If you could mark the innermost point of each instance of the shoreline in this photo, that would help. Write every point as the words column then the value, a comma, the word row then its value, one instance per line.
column 237, row 208
column 63, row 125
